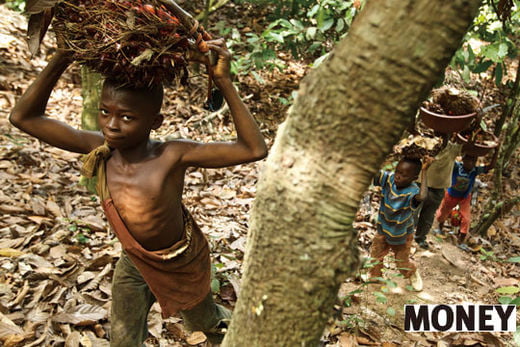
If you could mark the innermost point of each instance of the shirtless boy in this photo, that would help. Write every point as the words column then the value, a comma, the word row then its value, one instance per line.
column 140, row 183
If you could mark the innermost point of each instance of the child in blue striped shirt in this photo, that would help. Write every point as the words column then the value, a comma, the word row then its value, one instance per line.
column 400, row 200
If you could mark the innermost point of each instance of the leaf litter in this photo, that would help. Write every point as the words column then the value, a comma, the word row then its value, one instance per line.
column 57, row 254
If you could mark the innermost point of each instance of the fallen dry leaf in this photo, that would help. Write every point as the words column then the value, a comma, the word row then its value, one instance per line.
column 195, row 338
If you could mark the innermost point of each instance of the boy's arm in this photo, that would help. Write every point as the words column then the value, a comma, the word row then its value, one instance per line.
column 423, row 192
column 29, row 112
column 249, row 144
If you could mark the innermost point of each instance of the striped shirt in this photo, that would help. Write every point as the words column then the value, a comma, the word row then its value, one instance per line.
column 397, row 209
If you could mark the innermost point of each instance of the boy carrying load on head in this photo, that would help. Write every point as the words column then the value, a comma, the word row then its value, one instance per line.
column 140, row 183
column 400, row 199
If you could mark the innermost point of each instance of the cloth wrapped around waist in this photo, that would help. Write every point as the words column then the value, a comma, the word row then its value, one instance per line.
column 178, row 276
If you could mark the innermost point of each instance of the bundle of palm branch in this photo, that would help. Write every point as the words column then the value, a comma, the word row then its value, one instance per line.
column 139, row 42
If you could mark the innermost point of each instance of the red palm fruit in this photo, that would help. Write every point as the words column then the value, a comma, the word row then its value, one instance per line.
column 150, row 9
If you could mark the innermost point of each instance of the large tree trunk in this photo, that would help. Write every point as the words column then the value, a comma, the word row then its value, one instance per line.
column 348, row 114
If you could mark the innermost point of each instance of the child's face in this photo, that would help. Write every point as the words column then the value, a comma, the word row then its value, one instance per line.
column 405, row 174
column 126, row 117
column 468, row 163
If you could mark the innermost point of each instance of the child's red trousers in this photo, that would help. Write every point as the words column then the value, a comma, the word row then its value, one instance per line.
column 449, row 203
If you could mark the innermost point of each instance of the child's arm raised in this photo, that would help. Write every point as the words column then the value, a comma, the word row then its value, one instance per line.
column 423, row 193
column 29, row 112
column 249, row 144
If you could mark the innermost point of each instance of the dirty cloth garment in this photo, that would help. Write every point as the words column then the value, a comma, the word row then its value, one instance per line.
column 179, row 276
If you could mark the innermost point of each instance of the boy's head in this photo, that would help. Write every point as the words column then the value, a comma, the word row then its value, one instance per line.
column 407, row 171
column 468, row 162
column 150, row 98
column 127, row 114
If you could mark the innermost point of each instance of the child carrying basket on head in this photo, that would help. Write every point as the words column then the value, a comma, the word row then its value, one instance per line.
column 140, row 182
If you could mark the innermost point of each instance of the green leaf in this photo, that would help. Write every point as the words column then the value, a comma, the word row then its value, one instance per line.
column 299, row 25
column 274, row 36
column 340, row 25
column 514, row 260
column 311, row 33
column 326, row 25
column 502, row 50
column 82, row 238
column 215, row 285
column 390, row 311
column 508, row 290
column 380, row 297
column 312, row 12
column 515, row 301
column 471, row 55
column 491, row 52
column 505, row 300
column 483, row 66
column 316, row 63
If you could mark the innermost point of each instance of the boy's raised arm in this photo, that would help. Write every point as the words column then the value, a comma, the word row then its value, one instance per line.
column 249, row 144
column 29, row 112
column 423, row 192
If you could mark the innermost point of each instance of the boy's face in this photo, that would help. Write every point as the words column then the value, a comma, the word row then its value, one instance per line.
column 126, row 117
column 405, row 174
column 468, row 163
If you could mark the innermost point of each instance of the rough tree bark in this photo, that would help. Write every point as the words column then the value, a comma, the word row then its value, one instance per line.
column 348, row 114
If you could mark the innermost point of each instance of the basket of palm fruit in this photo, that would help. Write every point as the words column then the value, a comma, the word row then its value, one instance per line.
column 139, row 42
column 451, row 110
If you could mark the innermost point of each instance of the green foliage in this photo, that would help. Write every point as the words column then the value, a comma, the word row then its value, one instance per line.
column 353, row 321
column 509, row 299
column 307, row 29
column 488, row 44
column 487, row 255
column 215, row 281
column 16, row 5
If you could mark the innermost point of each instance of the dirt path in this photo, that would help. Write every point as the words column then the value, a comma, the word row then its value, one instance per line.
column 450, row 276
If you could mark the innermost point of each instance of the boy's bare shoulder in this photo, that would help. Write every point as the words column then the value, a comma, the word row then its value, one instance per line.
column 176, row 148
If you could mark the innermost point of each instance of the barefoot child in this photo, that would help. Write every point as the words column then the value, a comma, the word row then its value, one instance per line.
column 140, row 183
column 400, row 199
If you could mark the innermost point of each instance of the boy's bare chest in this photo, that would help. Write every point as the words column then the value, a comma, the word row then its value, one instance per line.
column 142, row 183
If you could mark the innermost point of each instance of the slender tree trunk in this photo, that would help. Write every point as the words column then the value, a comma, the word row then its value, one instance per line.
column 513, row 97
column 498, row 202
column 348, row 114
column 496, row 211
column 91, row 92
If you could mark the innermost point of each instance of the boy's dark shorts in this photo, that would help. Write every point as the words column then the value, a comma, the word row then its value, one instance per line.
column 131, row 303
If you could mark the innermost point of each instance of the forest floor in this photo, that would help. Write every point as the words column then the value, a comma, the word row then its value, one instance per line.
column 57, row 253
